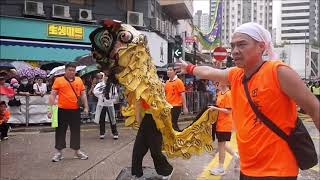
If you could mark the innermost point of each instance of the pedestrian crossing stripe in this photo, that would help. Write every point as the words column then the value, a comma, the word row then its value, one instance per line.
column 205, row 175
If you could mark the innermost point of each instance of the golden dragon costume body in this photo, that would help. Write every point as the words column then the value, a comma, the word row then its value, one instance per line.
column 122, row 52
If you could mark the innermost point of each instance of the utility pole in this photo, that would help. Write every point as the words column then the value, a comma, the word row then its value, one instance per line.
column 194, row 45
column 306, row 54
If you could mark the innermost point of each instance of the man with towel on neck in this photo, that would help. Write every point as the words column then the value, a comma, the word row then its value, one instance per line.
column 275, row 89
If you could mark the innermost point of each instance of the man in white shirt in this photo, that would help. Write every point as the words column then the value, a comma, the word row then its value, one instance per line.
column 39, row 87
column 107, row 95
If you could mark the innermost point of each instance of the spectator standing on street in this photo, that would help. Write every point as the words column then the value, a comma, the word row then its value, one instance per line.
column 69, row 88
column 107, row 95
column 275, row 89
column 212, row 93
column 175, row 95
column 223, row 127
column 14, row 83
column 25, row 87
column 92, row 99
column 39, row 87
column 316, row 90
column 4, row 89
column 4, row 117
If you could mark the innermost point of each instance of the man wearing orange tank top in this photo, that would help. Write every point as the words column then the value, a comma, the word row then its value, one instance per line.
column 275, row 89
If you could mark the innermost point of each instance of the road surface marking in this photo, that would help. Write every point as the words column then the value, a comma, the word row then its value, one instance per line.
column 205, row 175
column 316, row 168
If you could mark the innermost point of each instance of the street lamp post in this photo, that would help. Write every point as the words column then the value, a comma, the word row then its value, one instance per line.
column 306, row 54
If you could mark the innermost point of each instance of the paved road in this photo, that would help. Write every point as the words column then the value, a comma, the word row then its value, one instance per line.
column 27, row 155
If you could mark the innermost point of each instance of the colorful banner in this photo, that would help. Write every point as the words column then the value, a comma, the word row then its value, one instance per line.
column 213, row 38
column 65, row 31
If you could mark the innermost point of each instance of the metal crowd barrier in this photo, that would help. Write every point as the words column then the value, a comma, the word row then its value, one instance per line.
column 33, row 110
column 197, row 100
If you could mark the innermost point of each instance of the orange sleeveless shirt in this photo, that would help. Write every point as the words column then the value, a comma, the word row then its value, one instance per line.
column 262, row 152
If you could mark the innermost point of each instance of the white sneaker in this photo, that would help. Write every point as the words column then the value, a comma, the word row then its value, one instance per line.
column 115, row 137
column 217, row 171
column 57, row 157
column 80, row 155
column 169, row 176
column 101, row 136
column 5, row 138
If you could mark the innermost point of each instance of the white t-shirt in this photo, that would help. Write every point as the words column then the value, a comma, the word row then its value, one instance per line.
column 40, row 88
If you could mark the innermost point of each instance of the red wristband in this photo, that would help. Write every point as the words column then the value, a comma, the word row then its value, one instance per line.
column 190, row 68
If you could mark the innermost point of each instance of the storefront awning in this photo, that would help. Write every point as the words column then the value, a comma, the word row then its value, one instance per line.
column 41, row 51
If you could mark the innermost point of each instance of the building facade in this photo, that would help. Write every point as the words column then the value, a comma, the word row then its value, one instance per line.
column 295, row 21
column 57, row 30
column 201, row 20
column 237, row 12
column 300, row 36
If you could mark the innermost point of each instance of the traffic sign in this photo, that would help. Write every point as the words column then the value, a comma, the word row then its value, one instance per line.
column 220, row 53
column 190, row 39
column 177, row 52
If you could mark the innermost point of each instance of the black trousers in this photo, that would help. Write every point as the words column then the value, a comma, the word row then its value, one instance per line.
column 244, row 177
column 4, row 127
column 149, row 137
column 102, row 122
column 68, row 117
column 175, row 113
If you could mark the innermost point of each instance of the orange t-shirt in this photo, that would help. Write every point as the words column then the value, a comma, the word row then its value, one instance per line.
column 173, row 90
column 6, row 115
column 224, row 121
column 262, row 152
column 67, row 99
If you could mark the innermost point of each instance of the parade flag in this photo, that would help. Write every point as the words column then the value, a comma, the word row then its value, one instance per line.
column 211, row 39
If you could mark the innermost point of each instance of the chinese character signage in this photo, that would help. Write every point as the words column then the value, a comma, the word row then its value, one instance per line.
column 65, row 31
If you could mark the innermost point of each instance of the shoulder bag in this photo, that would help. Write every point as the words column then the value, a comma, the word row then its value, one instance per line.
column 79, row 102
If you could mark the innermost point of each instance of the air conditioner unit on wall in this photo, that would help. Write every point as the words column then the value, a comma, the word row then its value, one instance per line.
column 163, row 27
column 156, row 24
column 60, row 11
column 33, row 8
column 85, row 15
column 135, row 18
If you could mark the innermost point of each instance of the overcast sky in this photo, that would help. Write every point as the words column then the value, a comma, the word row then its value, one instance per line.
column 204, row 6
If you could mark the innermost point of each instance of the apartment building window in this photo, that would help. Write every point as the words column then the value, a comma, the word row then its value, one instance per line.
column 295, row 24
column 296, row 4
column 295, row 31
column 295, row 38
column 295, row 11
column 295, row 17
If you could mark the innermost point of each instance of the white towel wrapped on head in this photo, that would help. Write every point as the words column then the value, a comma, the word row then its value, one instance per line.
column 260, row 34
